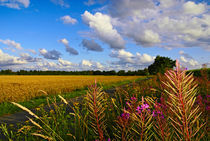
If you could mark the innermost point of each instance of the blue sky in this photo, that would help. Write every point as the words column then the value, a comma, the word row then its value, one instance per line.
column 102, row 34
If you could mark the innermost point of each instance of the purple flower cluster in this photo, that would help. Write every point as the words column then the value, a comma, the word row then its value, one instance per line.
column 125, row 115
column 142, row 108
column 156, row 113
column 138, row 109
column 133, row 98
column 158, row 110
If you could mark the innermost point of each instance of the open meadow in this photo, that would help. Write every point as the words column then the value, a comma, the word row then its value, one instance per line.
column 21, row 88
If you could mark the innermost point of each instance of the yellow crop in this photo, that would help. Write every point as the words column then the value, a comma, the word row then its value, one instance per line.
column 21, row 88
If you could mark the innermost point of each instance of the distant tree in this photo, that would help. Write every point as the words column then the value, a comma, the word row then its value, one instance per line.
column 146, row 71
column 161, row 64
column 121, row 72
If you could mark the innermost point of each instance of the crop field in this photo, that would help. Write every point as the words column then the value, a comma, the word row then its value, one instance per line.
column 21, row 88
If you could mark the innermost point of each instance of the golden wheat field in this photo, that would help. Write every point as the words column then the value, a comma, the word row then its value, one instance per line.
column 21, row 88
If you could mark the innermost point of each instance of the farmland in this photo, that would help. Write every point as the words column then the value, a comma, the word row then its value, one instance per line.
column 22, row 88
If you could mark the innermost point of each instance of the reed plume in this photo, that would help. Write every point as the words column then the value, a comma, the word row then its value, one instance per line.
column 181, row 90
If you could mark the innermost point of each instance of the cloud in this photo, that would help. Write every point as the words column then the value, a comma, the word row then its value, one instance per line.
column 127, row 59
column 91, row 45
column 162, row 23
column 92, row 2
column 64, row 62
column 91, row 65
column 189, row 63
column 183, row 59
column 26, row 57
column 185, row 55
column 123, row 56
column 69, row 49
column 31, row 51
column 68, row 20
column 126, row 8
column 46, row 65
column 8, row 60
column 147, row 38
column 167, row 3
column 15, row 4
column 12, row 44
column 102, row 26
column 144, row 59
column 66, row 65
column 53, row 54
column 191, row 7
column 64, row 41
column 62, row 3
column 86, row 63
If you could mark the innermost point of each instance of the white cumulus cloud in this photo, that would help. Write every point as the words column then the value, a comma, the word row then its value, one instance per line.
column 189, row 63
column 191, row 7
column 161, row 23
column 8, row 60
column 102, row 26
column 64, row 62
column 11, row 43
column 126, row 58
column 68, row 20
column 15, row 4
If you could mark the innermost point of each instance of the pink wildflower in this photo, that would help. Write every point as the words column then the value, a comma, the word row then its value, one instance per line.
column 144, row 106
column 133, row 98
column 138, row 109
column 125, row 116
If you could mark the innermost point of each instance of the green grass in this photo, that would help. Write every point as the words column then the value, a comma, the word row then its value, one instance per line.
column 8, row 108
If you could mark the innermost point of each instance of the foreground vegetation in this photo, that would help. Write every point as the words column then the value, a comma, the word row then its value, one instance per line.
column 169, row 107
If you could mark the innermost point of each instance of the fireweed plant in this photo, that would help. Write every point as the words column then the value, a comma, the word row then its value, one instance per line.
column 166, row 110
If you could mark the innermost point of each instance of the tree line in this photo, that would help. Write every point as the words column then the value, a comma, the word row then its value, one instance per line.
column 88, row 72
column 159, row 66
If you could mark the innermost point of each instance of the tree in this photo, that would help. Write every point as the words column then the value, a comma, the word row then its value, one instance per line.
column 161, row 64
column 121, row 72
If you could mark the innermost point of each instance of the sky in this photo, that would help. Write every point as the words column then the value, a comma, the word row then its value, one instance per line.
column 116, row 35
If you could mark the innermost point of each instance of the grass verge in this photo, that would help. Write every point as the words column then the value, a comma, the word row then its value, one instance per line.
column 8, row 108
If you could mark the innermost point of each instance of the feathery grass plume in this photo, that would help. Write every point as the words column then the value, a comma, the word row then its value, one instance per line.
column 45, row 93
column 181, row 91
column 96, row 102
column 160, row 124
column 142, row 120
column 34, row 123
column 122, row 127
column 26, row 109
column 46, row 128
column 63, row 99
column 42, row 136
